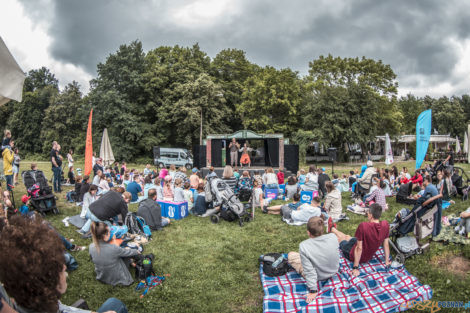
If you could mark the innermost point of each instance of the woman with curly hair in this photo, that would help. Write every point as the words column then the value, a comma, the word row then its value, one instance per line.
column 33, row 271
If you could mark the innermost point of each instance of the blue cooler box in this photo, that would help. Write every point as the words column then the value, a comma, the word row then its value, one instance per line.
column 176, row 211
column 271, row 193
column 283, row 189
column 307, row 196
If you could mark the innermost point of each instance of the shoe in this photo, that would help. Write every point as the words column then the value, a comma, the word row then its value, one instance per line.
column 331, row 224
column 77, row 248
column 265, row 209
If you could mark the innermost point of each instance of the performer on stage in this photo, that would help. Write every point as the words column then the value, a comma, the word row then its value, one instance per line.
column 234, row 146
column 245, row 159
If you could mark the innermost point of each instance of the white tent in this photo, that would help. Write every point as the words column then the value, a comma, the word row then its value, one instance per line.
column 388, row 150
column 457, row 145
column 106, row 153
column 11, row 76
column 465, row 143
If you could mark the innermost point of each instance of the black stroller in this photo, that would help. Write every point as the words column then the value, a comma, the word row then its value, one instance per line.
column 420, row 221
column 42, row 198
column 221, row 195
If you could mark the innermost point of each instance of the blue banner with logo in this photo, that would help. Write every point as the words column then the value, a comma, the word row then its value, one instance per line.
column 423, row 133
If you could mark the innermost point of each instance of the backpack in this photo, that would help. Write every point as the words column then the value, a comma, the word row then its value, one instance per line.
column 268, row 268
column 144, row 267
column 228, row 215
column 136, row 225
column 34, row 191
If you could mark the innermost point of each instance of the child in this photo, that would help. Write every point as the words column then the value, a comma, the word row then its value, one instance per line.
column 291, row 187
column 158, row 186
column 167, row 189
column 188, row 195
column 179, row 193
column 6, row 140
column 236, row 173
column 280, row 176
column 258, row 197
column 194, row 179
column 302, row 177
column 24, row 209
column 147, row 170
column 10, row 209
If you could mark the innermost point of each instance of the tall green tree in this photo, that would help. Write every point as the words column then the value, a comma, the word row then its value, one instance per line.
column 120, row 103
column 448, row 116
column 351, row 100
column 231, row 69
column 271, row 101
column 27, row 119
column 411, row 107
column 66, row 119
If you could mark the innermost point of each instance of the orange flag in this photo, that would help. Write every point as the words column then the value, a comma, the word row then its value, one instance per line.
column 89, row 147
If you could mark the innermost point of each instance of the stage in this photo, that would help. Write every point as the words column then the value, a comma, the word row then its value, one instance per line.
column 252, row 170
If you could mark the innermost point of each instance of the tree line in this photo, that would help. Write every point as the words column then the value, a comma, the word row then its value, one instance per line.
column 159, row 97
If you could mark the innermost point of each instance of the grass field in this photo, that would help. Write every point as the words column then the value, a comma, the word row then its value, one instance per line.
column 214, row 268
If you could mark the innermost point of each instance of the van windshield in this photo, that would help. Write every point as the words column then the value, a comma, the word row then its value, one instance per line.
column 183, row 155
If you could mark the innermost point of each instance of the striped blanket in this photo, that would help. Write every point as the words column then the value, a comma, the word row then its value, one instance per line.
column 376, row 289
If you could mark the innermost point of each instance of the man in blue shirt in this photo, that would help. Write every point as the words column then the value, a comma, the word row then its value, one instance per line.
column 134, row 188
column 431, row 191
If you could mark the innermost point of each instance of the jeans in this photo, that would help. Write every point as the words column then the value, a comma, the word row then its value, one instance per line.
column 92, row 218
column 56, row 179
column 113, row 304
column 9, row 179
column 67, row 244
column 70, row 196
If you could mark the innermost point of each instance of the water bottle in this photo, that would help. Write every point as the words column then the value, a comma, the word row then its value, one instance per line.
column 266, row 258
column 278, row 261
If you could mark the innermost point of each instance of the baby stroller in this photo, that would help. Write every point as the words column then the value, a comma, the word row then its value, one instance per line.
column 42, row 198
column 245, row 187
column 220, row 194
column 460, row 181
column 420, row 221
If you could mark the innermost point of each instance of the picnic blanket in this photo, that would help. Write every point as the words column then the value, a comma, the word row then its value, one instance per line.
column 77, row 221
column 376, row 289
column 357, row 209
column 448, row 234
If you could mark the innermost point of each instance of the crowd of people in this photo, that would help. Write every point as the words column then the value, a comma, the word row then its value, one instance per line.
column 104, row 197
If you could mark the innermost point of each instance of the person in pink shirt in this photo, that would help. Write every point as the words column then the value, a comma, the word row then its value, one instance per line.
column 194, row 179
column 280, row 176
column 167, row 189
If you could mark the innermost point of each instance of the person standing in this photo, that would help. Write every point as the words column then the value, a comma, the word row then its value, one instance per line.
column 16, row 166
column 234, row 146
column 56, row 162
column 8, row 157
column 70, row 158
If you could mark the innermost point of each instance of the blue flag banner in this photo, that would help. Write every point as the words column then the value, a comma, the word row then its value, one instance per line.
column 423, row 133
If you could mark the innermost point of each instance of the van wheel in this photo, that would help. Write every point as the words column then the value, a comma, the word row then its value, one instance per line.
column 188, row 166
column 161, row 165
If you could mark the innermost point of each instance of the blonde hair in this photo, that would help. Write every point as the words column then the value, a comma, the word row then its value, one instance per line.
column 7, row 132
column 178, row 182
column 228, row 172
column 127, row 195
column 172, row 167
column 302, row 171
column 270, row 170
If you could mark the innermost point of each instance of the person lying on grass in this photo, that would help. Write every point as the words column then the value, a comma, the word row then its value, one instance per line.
column 37, row 278
column 369, row 237
column 318, row 257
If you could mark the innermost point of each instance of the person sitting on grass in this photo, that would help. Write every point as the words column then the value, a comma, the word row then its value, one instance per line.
column 30, row 241
column 306, row 211
column 291, row 187
column 111, row 262
column 168, row 189
column 84, row 188
column 200, row 205
column 318, row 257
column 332, row 205
column 367, row 240
column 88, row 199
column 151, row 212
column 71, row 176
column 179, row 193
column 285, row 209
column 378, row 195
column 194, row 179
column 188, row 195
column 134, row 188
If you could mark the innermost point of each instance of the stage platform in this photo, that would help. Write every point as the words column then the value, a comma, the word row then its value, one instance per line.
column 252, row 170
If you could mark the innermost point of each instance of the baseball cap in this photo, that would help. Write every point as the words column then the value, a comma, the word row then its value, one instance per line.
column 194, row 170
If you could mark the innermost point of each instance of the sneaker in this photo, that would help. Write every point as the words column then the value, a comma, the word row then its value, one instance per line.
column 265, row 209
column 77, row 248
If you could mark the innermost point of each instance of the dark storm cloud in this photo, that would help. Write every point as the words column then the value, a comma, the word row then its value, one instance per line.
column 414, row 37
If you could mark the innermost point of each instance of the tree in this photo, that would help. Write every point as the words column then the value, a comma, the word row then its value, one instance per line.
column 26, row 121
column 120, row 103
column 66, row 120
column 231, row 69
column 271, row 101
column 411, row 107
column 351, row 100
column 448, row 116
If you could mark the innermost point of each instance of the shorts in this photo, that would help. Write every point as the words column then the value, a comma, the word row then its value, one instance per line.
column 16, row 169
column 346, row 247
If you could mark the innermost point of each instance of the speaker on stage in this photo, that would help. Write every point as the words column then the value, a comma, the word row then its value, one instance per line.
column 199, row 154
column 332, row 154
column 291, row 158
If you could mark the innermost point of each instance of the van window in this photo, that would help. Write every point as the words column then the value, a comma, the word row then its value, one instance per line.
column 170, row 155
column 183, row 155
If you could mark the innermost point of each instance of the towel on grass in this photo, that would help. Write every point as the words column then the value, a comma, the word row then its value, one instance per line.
column 376, row 289
column 448, row 234
column 77, row 221
column 357, row 209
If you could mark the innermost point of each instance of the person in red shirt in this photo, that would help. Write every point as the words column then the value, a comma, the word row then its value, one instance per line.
column 369, row 237
column 417, row 179
column 280, row 177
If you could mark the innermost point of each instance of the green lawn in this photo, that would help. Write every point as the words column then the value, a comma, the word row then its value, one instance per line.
column 214, row 268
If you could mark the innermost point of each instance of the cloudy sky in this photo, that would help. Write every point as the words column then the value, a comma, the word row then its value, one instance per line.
column 427, row 43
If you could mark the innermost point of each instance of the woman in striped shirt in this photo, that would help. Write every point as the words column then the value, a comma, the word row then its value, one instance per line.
column 229, row 178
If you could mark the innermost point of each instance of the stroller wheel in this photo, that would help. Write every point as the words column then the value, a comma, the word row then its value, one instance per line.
column 247, row 219
column 400, row 258
column 215, row 219
column 55, row 211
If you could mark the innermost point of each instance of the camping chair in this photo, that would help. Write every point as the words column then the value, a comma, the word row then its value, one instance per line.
column 421, row 221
